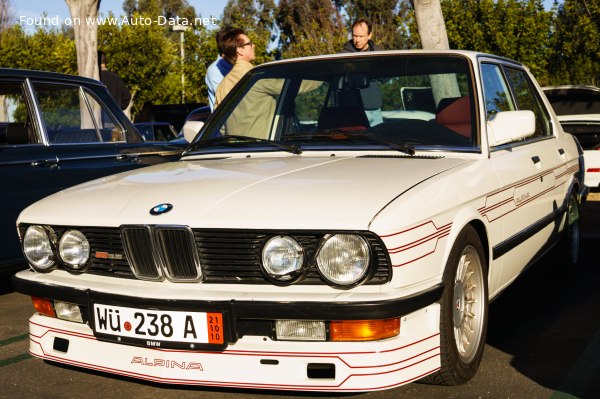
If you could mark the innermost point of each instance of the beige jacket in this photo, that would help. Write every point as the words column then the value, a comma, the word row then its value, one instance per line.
column 237, row 72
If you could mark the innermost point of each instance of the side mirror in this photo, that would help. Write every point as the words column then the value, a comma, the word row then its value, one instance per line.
column 191, row 129
column 508, row 126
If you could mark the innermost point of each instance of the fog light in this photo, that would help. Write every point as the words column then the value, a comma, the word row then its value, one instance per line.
column 300, row 330
column 68, row 311
column 364, row 330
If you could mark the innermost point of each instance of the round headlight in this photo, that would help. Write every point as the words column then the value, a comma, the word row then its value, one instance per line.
column 343, row 259
column 282, row 258
column 74, row 249
column 37, row 247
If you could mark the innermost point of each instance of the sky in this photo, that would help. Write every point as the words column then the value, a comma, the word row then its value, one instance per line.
column 26, row 11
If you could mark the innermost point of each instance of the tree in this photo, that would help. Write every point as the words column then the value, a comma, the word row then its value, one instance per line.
column 431, row 25
column 517, row 29
column 257, row 18
column 166, row 8
column 6, row 14
column 576, row 43
column 84, row 14
column 45, row 49
column 309, row 27
column 143, row 56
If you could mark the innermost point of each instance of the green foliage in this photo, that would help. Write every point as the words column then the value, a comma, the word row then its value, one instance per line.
column 309, row 27
column 142, row 55
column 517, row 29
column 45, row 49
column 148, row 59
column 576, row 43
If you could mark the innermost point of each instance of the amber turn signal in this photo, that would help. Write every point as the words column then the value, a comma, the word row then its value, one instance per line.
column 364, row 330
column 43, row 306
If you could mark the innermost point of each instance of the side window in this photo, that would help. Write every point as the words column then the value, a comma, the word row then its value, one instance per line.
column 73, row 116
column 15, row 122
column 527, row 100
column 496, row 92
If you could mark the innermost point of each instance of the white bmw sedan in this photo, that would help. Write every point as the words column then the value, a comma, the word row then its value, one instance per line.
column 340, row 223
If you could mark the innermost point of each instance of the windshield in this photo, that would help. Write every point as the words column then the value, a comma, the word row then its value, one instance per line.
column 574, row 101
column 382, row 102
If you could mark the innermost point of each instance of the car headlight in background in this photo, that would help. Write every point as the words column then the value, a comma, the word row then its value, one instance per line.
column 282, row 258
column 37, row 247
column 74, row 249
column 343, row 258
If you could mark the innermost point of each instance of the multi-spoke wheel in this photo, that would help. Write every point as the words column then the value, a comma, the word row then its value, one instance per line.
column 463, row 313
column 468, row 304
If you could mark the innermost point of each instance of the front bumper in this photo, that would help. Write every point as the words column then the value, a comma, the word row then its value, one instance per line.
column 252, row 357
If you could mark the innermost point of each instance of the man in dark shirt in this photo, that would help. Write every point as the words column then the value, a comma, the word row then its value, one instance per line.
column 116, row 86
column 361, row 38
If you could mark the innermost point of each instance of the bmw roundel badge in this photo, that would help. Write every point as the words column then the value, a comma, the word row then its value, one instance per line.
column 160, row 209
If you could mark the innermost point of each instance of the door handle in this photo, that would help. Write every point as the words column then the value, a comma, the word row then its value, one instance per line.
column 48, row 163
column 126, row 157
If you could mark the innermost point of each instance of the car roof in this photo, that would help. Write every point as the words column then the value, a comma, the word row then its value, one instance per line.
column 35, row 74
column 564, row 89
column 386, row 53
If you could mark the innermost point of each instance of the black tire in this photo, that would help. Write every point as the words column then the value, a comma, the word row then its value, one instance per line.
column 463, row 311
column 567, row 249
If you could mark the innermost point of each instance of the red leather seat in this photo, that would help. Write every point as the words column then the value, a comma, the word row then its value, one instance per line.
column 456, row 116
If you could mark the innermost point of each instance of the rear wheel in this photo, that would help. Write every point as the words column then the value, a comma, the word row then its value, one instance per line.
column 568, row 246
column 463, row 312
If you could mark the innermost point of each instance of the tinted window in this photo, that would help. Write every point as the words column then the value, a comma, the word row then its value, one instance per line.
column 15, row 122
column 495, row 90
column 72, row 115
column 528, row 100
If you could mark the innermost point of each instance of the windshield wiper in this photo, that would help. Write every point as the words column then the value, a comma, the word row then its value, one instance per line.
column 233, row 138
column 405, row 148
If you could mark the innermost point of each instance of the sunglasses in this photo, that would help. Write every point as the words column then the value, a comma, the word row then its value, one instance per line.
column 250, row 43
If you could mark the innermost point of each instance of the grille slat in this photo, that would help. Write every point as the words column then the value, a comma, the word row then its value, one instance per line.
column 215, row 256
column 138, row 247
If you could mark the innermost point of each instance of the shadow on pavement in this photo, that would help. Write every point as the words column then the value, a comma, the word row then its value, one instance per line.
column 550, row 323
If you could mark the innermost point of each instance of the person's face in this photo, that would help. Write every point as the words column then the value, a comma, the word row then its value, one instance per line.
column 246, row 50
column 361, row 36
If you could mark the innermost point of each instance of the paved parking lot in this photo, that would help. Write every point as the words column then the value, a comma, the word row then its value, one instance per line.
column 543, row 342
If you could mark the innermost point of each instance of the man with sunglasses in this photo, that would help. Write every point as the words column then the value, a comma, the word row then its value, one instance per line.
column 238, row 49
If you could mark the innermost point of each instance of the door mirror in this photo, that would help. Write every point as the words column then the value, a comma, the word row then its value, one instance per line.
column 191, row 129
column 508, row 126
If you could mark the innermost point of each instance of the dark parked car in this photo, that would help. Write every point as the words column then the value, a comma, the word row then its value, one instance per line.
column 57, row 131
column 157, row 131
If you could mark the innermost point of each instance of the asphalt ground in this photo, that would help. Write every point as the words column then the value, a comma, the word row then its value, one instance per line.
column 543, row 342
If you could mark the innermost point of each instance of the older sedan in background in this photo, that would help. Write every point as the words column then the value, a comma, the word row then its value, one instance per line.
column 578, row 110
column 57, row 131
column 340, row 223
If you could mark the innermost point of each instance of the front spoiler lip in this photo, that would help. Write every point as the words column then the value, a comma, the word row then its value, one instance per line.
column 261, row 310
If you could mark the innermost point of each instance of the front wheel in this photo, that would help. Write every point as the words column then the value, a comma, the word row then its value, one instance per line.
column 463, row 311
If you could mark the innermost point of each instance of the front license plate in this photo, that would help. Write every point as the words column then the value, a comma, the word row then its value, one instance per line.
column 158, row 325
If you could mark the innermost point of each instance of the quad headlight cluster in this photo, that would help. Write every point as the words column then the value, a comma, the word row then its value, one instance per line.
column 44, row 249
column 342, row 259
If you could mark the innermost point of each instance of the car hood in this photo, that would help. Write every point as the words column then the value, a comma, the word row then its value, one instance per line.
column 271, row 192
